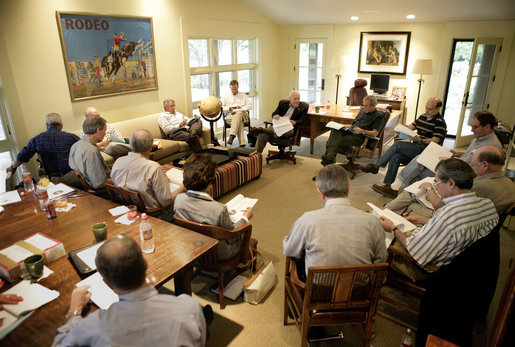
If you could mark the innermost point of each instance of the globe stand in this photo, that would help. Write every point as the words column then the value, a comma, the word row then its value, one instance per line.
column 211, row 121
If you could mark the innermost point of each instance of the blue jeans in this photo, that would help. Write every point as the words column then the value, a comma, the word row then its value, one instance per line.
column 400, row 153
column 414, row 172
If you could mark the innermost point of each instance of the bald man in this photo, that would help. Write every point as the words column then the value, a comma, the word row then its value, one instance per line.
column 430, row 127
column 115, row 149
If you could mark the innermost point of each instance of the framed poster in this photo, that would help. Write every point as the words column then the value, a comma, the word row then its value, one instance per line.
column 107, row 55
column 399, row 92
column 384, row 52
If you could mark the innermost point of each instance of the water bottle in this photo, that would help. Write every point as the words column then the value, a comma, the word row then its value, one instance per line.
column 407, row 340
column 27, row 179
column 145, row 233
column 42, row 195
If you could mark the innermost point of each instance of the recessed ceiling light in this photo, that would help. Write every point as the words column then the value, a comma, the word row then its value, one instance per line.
column 354, row 18
column 410, row 16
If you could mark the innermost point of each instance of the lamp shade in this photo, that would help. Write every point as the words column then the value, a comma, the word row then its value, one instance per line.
column 338, row 62
column 423, row 67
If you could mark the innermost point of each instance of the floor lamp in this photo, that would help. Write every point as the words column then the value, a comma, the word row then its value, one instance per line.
column 337, row 63
column 422, row 67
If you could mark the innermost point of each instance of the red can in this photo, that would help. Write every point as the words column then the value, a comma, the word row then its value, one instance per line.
column 50, row 210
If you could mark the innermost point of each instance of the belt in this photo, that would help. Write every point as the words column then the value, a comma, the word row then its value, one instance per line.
column 58, row 174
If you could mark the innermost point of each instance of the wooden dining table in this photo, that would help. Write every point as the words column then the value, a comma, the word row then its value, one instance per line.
column 176, row 249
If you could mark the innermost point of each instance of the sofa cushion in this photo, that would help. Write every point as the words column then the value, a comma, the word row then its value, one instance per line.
column 169, row 147
column 127, row 127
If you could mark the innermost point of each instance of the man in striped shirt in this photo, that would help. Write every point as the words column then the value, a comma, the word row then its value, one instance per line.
column 464, row 219
column 430, row 127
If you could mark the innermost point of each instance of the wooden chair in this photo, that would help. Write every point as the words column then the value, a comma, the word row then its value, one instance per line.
column 125, row 196
column 503, row 327
column 228, row 126
column 9, row 181
column 209, row 262
column 282, row 143
column 85, row 186
column 366, row 149
column 333, row 295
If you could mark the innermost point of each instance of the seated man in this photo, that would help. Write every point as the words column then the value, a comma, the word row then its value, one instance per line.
column 197, row 206
column 178, row 127
column 137, row 172
column 142, row 317
column 293, row 109
column 237, row 106
column 115, row 148
column 490, row 183
column 464, row 219
column 337, row 234
column 85, row 156
column 482, row 125
column 369, row 121
column 53, row 147
column 430, row 127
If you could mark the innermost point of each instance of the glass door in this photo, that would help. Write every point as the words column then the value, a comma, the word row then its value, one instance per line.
column 309, row 68
column 481, row 73
column 7, row 146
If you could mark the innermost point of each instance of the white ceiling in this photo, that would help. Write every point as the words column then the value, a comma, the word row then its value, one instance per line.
column 304, row 12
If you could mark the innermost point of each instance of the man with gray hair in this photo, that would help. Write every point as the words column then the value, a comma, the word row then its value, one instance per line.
column 337, row 234
column 141, row 317
column 368, row 122
column 113, row 142
column 85, row 156
column 53, row 147
column 138, row 173
column 177, row 126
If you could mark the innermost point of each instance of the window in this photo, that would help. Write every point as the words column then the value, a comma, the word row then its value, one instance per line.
column 214, row 63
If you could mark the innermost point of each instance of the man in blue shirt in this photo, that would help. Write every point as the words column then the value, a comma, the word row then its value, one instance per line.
column 53, row 147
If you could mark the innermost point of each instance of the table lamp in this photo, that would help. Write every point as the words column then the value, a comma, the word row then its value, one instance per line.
column 422, row 67
column 338, row 62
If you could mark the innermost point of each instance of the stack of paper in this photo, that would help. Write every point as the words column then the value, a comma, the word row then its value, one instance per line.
column 405, row 130
column 175, row 177
column 420, row 194
column 432, row 154
column 281, row 126
column 101, row 294
column 400, row 222
column 57, row 190
column 9, row 197
column 238, row 205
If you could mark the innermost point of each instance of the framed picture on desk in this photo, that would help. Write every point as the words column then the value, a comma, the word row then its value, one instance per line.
column 385, row 52
column 399, row 92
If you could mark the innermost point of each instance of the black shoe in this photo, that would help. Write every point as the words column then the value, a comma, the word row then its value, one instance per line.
column 208, row 314
column 231, row 139
column 370, row 167
column 314, row 178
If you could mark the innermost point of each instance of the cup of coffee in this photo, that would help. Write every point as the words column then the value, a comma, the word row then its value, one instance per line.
column 100, row 231
column 34, row 265
column 317, row 109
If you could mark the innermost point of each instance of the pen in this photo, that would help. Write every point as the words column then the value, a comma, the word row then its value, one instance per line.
column 253, row 209
column 407, row 213
column 75, row 196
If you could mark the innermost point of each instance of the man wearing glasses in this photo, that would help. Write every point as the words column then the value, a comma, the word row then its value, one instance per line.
column 464, row 219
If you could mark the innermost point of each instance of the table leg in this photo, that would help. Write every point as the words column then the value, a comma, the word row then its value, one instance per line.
column 182, row 281
column 312, row 136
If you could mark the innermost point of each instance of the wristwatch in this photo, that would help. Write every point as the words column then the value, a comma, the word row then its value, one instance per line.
column 73, row 314
column 429, row 188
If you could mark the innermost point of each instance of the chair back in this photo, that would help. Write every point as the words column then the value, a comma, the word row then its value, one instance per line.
column 9, row 181
column 124, row 196
column 358, row 92
column 83, row 184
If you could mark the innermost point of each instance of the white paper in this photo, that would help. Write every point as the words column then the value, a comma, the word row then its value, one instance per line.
column 431, row 155
column 34, row 295
column 68, row 207
column 16, row 253
column 388, row 237
column 60, row 189
column 9, row 197
column 101, row 294
column 175, row 175
column 41, row 242
column 116, row 211
column 405, row 130
column 334, row 125
column 355, row 108
column 88, row 255
column 420, row 194
column 125, row 219
column 174, row 187
column 238, row 205
column 281, row 126
column 233, row 289
column 400, row 222
column 349, row 114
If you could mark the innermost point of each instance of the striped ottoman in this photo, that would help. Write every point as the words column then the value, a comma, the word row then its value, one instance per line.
column 233, row 174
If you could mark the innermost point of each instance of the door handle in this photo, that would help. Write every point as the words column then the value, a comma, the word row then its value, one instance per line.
column 323, row 83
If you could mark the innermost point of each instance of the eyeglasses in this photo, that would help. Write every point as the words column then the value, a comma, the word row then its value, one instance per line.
column 436, row 183
column 474, row 127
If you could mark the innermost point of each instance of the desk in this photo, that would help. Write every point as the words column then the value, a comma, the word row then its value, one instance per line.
column 395, row 103
column 315, row 123
column 176, row 250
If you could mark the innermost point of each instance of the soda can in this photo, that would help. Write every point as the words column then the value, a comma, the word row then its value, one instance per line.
column 50, row 210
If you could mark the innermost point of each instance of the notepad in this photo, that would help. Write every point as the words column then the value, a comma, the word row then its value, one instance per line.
column 101, row 294
column 400, row 222
column 430, row 156
column 238, row 205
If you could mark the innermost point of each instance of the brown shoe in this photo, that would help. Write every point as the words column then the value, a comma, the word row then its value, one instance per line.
column 231, row 139
column 385, row 190
column 257, row 131
column 370, row 167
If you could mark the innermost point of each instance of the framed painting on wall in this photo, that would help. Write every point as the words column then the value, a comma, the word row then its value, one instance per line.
column 384, row 52
column 107, row 55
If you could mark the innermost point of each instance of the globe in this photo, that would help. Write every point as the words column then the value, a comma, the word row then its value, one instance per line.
column 210, row 107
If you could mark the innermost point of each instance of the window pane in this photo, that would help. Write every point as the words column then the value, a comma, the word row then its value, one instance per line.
column 244, row 51
column 245, row 80
column 223, row 52
column 199, row 87
column 222, row 82
column 5, row 161
column 198, row 53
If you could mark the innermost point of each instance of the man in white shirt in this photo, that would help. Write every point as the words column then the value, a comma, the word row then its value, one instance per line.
column 236, row 105
column 178, row 127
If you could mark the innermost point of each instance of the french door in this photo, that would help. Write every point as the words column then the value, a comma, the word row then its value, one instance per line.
column 309, row 69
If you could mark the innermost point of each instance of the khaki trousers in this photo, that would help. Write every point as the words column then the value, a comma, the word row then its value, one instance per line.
column 237, row 121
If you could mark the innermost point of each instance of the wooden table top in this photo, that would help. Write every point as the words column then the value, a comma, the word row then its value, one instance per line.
column 340, row 111
column 176, row 249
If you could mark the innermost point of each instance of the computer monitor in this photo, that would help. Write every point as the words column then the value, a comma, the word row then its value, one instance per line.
column 379, row 82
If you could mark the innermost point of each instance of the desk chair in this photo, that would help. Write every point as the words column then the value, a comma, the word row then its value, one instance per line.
column 125, row 196
column 333, row 295
column 358, row 92
column 209, row 262
column 228, row 126
column 367, row 148
column 282, row 143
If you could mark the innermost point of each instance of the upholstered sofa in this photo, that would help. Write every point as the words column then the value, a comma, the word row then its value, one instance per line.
column 170, row 149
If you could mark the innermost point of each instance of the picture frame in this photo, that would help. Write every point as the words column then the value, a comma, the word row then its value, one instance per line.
column 384, row 52
column 399, row 92
column 107, row 55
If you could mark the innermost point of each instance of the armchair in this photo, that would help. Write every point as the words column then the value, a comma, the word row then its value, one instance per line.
column 358, row 92
column 282, row 143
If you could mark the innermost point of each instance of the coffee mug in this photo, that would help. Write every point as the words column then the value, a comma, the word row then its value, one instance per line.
column 317, row 109
column 34, row 265
column 100, row 231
